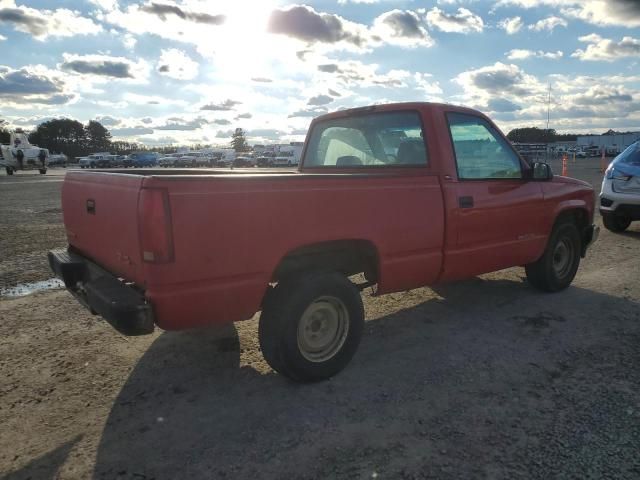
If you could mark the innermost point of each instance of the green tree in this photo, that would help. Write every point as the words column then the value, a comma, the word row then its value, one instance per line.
column 239, row 141
column 5, row 136
column 61, row 135
column 532, row 135
column 98, row 137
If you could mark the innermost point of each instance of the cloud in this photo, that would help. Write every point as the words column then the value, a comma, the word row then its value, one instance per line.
column 105, row 4
column 305, row 24
column 177, row 123
column 104, row 66
column 311, row 112
column 107, row 120
column 548, row 24
column 164, row 10
column 602, row 95
column 33, row 85
column 498, row 79
column 328, row 68
column 224, row 133
column 244, row 115
column 177, row 64
column 511, row 25
column 27, row 82
column 266, row 133
column 403, row 28
column 2, row 38
column 624, row 13
column 519, row 54
column 320, row 100
column 502, row 105
column 261, row 80
column 221, row 107
column 222, row 121
column 464, row 21
column 131, row 131
column 358, row 74
column 604, row 49
column 42, row 24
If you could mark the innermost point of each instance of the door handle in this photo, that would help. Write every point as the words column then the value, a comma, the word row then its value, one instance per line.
column 465, row 202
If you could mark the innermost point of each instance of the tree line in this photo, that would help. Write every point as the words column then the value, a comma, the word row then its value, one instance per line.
column 539, row 135
column 64, row 135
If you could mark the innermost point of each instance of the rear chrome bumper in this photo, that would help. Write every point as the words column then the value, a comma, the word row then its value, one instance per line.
column 123, row 306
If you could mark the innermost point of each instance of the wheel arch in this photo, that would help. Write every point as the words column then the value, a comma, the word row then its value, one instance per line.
column 579, row 215
column 347, row 256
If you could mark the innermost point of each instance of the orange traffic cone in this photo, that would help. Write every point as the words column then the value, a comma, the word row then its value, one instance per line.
column 564, row 165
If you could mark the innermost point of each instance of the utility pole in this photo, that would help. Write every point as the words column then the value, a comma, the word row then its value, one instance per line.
column 548, row 106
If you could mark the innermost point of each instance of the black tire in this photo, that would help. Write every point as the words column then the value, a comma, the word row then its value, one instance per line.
column 43, row 171
column 616, row 223
column 9, row 170
column 289, row 304
column 557, row 267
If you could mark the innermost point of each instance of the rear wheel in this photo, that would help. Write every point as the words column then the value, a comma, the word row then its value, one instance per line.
column 9, row 170
column 616, row 223
column 43, row 171
column 557, row 267
column 310, row 326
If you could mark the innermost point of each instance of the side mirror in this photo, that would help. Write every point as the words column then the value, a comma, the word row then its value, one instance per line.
column 541, row 171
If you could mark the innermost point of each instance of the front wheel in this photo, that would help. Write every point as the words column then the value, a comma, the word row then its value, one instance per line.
column 310, row 326
column 557, row 267
column 616, row 223
column 43, row 171
column 9, row 170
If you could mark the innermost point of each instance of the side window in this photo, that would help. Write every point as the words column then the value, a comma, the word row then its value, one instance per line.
column 386, row 139
column 481, row 153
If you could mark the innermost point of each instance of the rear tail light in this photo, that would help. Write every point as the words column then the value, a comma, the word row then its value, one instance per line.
column 154, row 219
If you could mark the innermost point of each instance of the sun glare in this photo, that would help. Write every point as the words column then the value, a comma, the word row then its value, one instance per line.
column 246, row 48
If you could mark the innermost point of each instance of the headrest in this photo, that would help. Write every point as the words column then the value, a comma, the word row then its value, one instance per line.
column 347, row 160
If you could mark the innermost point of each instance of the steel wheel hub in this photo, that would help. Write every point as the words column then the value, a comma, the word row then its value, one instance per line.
column 323, row 329
column 563, row 257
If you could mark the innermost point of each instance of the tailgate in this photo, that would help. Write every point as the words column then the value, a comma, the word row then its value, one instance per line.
column 100, row 217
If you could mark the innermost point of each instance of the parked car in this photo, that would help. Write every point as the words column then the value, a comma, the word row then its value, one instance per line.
column 96, row 160
column 142, row 159
column 451, row 201
column 263, row 161
column 58, row 160
column 242, row 162
column 620, row 193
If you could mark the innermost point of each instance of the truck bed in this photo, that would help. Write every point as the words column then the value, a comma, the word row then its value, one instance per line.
column 231, row 228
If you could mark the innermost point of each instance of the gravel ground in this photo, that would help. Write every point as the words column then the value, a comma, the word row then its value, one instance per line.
column 486, row 378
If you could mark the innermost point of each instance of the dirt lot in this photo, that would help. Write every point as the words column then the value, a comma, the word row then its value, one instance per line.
column 482, row 379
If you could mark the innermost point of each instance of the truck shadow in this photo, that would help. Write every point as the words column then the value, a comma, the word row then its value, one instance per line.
column 428, row 373
column 45, row 466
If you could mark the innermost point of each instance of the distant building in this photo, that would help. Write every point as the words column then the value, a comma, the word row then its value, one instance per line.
column 532, row 152
column 611, row 141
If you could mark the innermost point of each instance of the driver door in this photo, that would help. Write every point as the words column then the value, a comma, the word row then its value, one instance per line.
column 497, row 213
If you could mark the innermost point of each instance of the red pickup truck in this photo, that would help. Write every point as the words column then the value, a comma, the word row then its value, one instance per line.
column 407, row 195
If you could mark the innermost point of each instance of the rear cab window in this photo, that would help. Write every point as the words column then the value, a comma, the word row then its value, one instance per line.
column 373, row 140
column 481, row 153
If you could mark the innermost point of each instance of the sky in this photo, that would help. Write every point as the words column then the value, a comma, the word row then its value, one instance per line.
column 191, row 71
